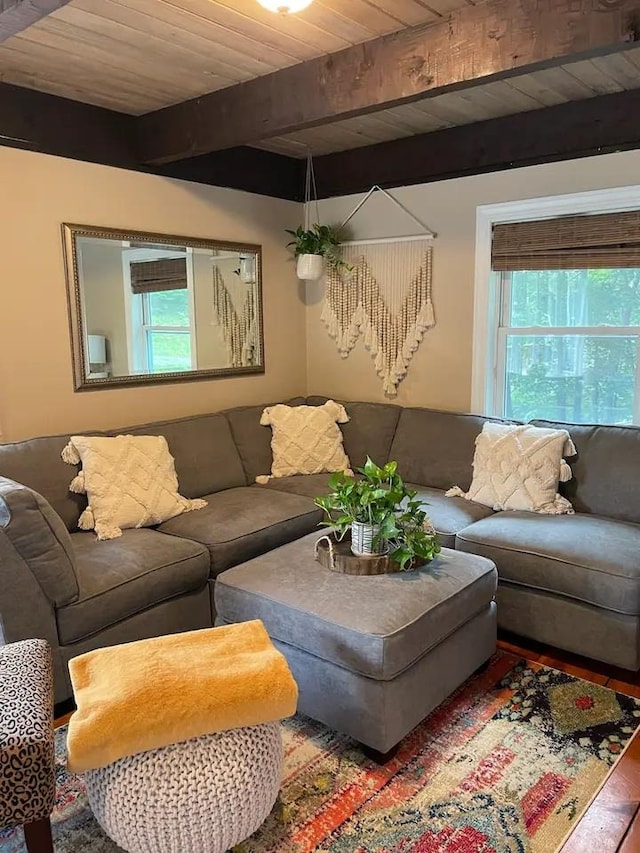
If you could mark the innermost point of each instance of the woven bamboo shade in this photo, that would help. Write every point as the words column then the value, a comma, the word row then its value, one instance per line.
column 154, row 276
column 607, row 240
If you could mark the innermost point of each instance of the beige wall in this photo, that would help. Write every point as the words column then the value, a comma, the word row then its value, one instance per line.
column 40, row 192
column 440, row 374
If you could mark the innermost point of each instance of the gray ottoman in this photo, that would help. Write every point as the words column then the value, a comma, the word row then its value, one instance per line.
column 372, row 655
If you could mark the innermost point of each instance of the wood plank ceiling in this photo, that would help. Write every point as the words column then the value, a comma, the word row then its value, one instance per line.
column 426, row 88
column 571, row 82
column 135, row 56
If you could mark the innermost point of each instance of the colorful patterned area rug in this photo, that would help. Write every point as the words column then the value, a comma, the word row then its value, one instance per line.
column 507, row 765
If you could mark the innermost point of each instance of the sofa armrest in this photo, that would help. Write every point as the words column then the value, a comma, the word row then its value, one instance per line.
column 25, row 611
column 35, row 538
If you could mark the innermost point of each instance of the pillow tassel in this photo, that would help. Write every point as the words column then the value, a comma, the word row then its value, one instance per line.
column 337, row 411
column 77, row 485
column 455, row 492
column 107, row 531
column 560, row 506
column 87, row 520
column 70, row 455
column 194, row 503
column 565, row 472
column 263, row 479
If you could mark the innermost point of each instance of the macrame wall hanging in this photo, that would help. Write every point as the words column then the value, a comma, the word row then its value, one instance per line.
column 385, row 297
column 237, row 319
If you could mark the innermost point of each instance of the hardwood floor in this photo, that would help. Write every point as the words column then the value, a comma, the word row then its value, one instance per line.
column 611, row 824
column 62, row 720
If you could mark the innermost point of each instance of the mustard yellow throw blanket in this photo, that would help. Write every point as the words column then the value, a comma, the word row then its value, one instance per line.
column 152, row 693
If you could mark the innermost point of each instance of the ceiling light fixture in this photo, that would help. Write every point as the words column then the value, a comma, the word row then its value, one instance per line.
column 285, row 7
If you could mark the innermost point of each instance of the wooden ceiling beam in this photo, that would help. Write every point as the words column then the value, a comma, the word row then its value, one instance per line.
column 244, row 168
column 53, row 125
column 495, row 39
column 49, row 124
column 600, row 125
column 576, row 129
column 17, row 15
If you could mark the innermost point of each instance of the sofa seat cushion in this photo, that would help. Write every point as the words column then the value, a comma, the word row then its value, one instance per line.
column 375, row 626
column 585, row 557
column 121, row 577
column 309, row 485
column 238, row 524
column 449, row 515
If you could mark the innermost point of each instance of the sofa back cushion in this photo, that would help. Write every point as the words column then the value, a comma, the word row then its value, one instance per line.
column 37, row 463
column 436, row 448
column 205, row 453
column 606, row 470
column 369, row 431
column 253, row 441
column 206, row 461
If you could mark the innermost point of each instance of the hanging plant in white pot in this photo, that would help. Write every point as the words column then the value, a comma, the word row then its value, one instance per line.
column 314, row 248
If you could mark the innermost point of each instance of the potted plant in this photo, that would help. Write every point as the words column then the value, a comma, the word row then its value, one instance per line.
column 382, row 514
column 312, row 247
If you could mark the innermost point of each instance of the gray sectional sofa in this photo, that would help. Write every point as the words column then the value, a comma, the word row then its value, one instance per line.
column 571, row 581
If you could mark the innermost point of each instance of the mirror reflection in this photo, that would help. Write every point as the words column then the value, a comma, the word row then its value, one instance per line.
column 149, row 308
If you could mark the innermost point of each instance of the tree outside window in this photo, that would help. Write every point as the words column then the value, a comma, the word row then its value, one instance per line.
column 568, row 345
column 167, row 330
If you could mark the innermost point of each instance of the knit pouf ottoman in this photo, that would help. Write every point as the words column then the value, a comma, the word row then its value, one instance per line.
column 203, row 795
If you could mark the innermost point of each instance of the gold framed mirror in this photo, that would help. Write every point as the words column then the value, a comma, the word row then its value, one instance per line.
column 147, row 308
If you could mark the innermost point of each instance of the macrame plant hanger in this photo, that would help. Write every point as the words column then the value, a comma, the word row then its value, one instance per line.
column 385, row 295
column 310, row 267
column 309, row 191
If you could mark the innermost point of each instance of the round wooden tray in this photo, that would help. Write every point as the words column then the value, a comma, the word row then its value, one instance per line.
column 336, row 556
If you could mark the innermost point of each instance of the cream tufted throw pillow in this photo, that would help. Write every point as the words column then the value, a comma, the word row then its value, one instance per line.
column 306, row 439
column 130, row 481
column 519, row 467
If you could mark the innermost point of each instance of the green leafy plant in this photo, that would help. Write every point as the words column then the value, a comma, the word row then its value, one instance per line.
column 317, row 240
column 380, row 497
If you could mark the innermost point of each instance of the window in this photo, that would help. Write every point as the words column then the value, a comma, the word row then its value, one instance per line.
column 160, row 294
column 166, row 327
column 568, row 345
column 567, row 331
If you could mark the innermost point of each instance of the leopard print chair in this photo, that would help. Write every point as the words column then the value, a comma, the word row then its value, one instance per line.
column 27, row 767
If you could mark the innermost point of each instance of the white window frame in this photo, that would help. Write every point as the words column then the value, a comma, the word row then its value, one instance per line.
column 487, row 364
column 137, row 339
